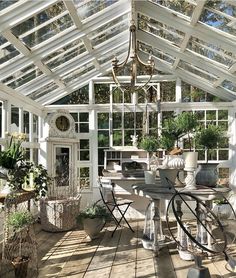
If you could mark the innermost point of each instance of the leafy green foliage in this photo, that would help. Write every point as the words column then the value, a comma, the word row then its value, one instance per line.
column 94, row 211
column 149, row 143
column 20, row 219
column 21, row 175
column 187, row 123
column 221, row 201
column 12, row 154
column 210, row 137
column 41, row 180
column 167, row 141
column 175, row 128
column 170, row 134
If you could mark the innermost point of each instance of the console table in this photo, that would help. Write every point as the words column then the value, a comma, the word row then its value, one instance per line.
column 21, row 196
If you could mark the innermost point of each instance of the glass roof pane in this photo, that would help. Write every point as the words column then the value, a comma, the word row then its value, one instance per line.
column 43, row 90
column 88, row 8
column 2, row 40
column 6, row 3
column 22, row 76
column 222, row 6
column 161, row 30
column 43, row 25
column 211, row 51
column 78, row 73
column 156, row 52
column 109, row 30
column 219, row 19
column 178, row 7
column 64, row 54
column 229, row 86
column 197, row 71
column 38, row 19
column 7, row 52
column 110, row 55
column 48, row 31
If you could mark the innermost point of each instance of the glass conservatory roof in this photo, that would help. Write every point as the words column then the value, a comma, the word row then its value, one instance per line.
column 50, row 48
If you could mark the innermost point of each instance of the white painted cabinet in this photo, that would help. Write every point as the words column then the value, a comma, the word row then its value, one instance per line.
column 125, row 158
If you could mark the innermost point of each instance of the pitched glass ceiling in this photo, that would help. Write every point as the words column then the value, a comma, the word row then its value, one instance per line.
column 49, row 49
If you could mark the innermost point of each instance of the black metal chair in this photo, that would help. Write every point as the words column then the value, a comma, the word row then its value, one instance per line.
column 113, row 203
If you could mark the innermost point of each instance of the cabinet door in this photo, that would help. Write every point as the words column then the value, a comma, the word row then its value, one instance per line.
column 62, row 173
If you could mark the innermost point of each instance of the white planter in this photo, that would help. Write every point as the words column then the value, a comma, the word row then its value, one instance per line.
column 168, row 174
column 92, row 227
column 176, row 162
column 150, row 177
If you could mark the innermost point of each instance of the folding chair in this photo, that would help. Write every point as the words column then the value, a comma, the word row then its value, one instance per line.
column 112, row 203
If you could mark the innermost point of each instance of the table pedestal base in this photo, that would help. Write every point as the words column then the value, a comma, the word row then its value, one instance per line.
column 201, row 272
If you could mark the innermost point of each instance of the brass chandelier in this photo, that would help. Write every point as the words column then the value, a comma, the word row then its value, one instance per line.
column 132, row 65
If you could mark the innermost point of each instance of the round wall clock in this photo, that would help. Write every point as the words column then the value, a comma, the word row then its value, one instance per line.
column 62, row 123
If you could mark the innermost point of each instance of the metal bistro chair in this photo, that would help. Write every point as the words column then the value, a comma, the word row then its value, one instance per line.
column 113, row 203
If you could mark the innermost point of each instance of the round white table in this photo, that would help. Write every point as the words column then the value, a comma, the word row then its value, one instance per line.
column 156, row 193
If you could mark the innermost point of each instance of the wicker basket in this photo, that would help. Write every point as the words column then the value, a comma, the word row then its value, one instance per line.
column 59, row 215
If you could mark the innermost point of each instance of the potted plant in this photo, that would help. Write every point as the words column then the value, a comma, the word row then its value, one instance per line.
column 9, row 159
column 30, row 177
column 93, row 219
column 13, row 153
column 19, row 221
column 208, row 139
column 150, row 144
column 187, row 122
column 174, row 129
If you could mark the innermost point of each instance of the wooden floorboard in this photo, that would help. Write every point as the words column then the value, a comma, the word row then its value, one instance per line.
column 73, row 254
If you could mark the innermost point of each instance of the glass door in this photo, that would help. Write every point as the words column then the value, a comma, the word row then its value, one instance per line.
column 62, row 165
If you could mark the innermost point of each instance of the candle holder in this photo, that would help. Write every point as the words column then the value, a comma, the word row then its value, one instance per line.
column 190, row 178
column 190, row 159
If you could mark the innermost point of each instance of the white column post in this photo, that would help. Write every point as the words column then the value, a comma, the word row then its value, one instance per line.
column 21, row 120
column 31, row 134
column 232, row 148
column 4, row 119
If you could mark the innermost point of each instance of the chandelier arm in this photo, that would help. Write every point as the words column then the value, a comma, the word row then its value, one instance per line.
column 135, row 64
column 128, row 54
column 151, row 65
column 115, row 78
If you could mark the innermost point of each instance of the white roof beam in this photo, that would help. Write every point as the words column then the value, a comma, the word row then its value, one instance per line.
column 77, row 21
column 78, row 83
column 68, row 36
column 19, row 100
column 194, row 80
column 195, row 17
column 112, row 44
column 22, row 12
column 200, row 30
column 186, row 56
